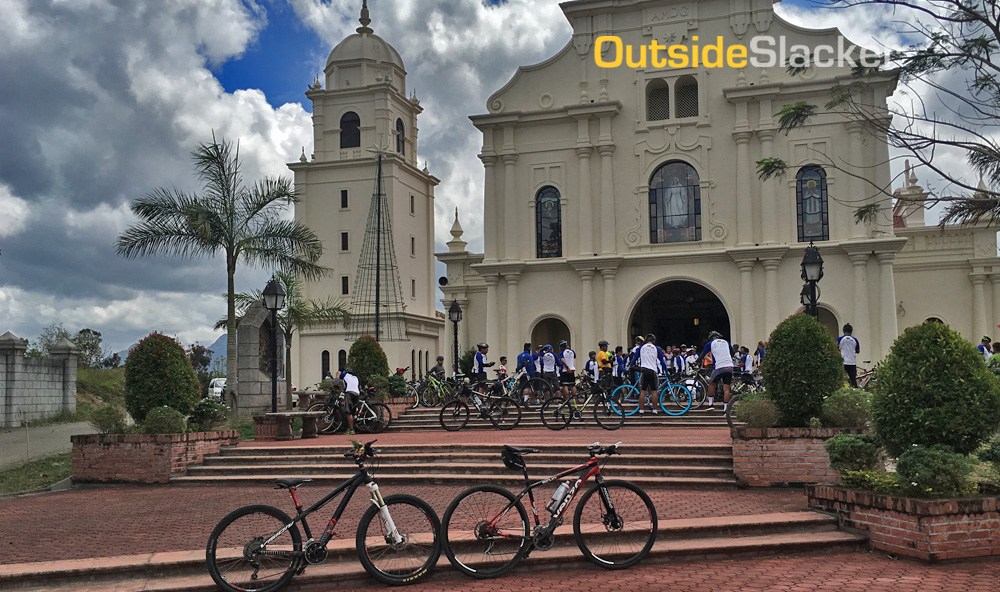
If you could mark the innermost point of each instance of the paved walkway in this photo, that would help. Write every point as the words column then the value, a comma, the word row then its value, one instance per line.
column 18, row 445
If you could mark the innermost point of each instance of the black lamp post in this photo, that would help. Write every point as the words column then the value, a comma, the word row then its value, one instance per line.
column 455, row 316
column 274, row 300
column 812, row 273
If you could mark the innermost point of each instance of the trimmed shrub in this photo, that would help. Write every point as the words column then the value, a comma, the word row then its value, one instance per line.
column 847, row 408
column 108, row 419
column 876, row 481
column 802, row 367
column 933, row 389
column 163, row 420
column 466, row 361
column 157, row 374
column 380, row 384
column 848, row 452
column 935, row 471
column 366, row 359
column 756, row 410
column 396, row 385
column 208, row 415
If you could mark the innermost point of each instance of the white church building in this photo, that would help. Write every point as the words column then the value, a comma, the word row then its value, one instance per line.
column 623, row 201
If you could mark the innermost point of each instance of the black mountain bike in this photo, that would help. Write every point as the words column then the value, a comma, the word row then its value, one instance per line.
column 487, row 533
column 502, row 411
column 557, row 413
column 260, row 549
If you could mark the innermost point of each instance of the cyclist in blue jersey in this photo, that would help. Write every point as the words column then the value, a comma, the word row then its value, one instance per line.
column 479, row 363
column 526, row 360
column 618, row 366
column 591, row 369
column 722, row 360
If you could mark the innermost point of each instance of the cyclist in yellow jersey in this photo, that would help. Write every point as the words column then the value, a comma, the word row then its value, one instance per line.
column 604, row 358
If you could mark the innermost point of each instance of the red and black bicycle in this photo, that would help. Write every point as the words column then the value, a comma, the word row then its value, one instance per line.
column 487, row 532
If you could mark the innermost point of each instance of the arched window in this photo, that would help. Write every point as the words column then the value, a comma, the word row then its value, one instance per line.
column 657, row 100
column 674, row 204
column 420, row 362
column 686, row 96
column 548, row 223
column 324, row 364
column 413, row 364
column 350, row 130
column 342, row 359
column 811, row 204
column 400, row 137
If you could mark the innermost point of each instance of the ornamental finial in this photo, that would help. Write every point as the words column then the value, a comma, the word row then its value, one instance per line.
column 364, row 20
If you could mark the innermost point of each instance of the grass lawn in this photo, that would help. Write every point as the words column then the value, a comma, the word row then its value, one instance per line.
column 35, row 474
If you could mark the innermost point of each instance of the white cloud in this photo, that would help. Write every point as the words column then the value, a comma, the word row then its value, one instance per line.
column 14, row 213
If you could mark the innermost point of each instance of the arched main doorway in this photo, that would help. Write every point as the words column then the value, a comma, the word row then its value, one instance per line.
column 826, row 318
column 679, row 313
column 549, row 330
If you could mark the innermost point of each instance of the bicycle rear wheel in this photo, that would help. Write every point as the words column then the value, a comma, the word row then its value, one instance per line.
column 675, row 399
column 556, row 413
column 414, row 556
column 374, row 418
column 486, row 531
column 732, row 415
column 237, row 558
column 504, row 413
column 618, row 535
column 626, row 400
column 329, row 423
column 605, row 414
column 698, row 390
column 454, row 415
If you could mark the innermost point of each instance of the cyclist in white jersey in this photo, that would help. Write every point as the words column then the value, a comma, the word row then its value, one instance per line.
column 850, row 347
column 722, row 358
column 650, row 361
column 567, row 376
column 548, row 365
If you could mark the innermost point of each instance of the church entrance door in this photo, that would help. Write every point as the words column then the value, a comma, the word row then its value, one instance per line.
column 549, row 330
column 679, row 313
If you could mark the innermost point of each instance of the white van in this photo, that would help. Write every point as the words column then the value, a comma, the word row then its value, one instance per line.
column 216, row 388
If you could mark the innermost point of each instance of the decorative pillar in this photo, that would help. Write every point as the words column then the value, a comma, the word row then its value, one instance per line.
column 492, row 308
column 748, row 333
column 744, row 201
column 887, row 302
column 507, row 213
column 770, row 294
column 768, row 193
column 979, row 325
column 489, row 208
column 862, row 317
column 65, row 351
column 995, row 281
column 607, row 205
column 514, row 336
column 586, row 308
column 609, row 331
column 584, row 212
column 856, row 185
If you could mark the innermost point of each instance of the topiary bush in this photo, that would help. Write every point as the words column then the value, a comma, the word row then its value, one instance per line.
column 802, row 367
column 164, row 420
column 366, row 359
column 847, row 408
column 933, row 388
column 877, row 481
column 848, row 452
column 935, row 471
column 466, row 361
column 756, row 410
column 396, row 385
column 109, row 419
column 157, row 374
column 208, row 415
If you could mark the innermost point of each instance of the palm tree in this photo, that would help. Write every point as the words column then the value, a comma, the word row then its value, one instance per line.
column 298, row 314
column 245, row 223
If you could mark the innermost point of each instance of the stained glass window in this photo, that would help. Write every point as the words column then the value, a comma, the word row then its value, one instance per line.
column 811, row 204
column 548, row 223
column 674, row 204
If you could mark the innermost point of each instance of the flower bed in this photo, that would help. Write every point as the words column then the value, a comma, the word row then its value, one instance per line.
column 142, row 458
column 929, row 530
column 770, row 457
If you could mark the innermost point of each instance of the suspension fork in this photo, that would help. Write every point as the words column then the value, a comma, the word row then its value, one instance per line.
column 383, row 510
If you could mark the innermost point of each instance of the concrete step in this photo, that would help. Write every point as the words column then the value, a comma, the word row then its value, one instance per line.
column 565, row 451
column 410, row 479
column 185, row 571
column 715, row 460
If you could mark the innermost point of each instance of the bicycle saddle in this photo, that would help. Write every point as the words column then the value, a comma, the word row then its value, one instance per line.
column 289, row 483
column 521, row 450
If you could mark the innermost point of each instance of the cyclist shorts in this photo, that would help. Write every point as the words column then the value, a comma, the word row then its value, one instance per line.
column 478, row 377
column 649, row 380
column 567, row 378
column 549, row 376
column 724, row 375
column 350, row 402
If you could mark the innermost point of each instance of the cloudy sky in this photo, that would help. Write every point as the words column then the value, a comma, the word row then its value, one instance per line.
column 103, row 100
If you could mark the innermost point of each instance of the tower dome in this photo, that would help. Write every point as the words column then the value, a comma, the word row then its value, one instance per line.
column 364, row 58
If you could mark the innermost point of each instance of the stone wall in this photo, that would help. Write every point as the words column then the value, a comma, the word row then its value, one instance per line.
column 253, row 384
column 930, row 530
column 769, row 457
column 142, row 458
column 35, row 388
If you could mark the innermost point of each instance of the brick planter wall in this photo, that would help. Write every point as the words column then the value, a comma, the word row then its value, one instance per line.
column 769, row 457
column 142, row 458
column 929, row 530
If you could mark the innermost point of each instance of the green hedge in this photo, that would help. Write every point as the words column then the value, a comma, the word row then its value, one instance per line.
column 366, row 359
column 802, row 367
column 847, row 408
column 157, row 374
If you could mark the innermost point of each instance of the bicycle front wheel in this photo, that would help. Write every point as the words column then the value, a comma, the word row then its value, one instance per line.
column 675, row 399
column 399, row 544
column 238, row 558
column 373, row 418
column 732, row 414
column 626, row 400
column 486, row 531
column 617, row 531
column 605, row 414
column 454, row 415
column 504, row 413
column 556, row 413
column 698, row 390
column 329, row 423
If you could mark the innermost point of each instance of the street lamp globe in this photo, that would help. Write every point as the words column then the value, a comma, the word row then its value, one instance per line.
column 455, row 312
column 812, row 264
column 274, row 295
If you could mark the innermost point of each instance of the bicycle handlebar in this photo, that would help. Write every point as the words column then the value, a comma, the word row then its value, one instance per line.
column 596, row 448
column 362, row 451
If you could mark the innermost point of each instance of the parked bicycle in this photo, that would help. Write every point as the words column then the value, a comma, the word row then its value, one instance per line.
column 672, row 398
column 487, row 532
column 502, row 411
column 259, row 548
column 370, row 416
column 866, row 376
column 558, row 412
column 431, row 391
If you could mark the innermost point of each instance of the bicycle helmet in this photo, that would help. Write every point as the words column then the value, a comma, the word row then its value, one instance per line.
column 650, row 338
column 547, row 347
column 602, row 343
column 483, row 346
column 715, row 335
